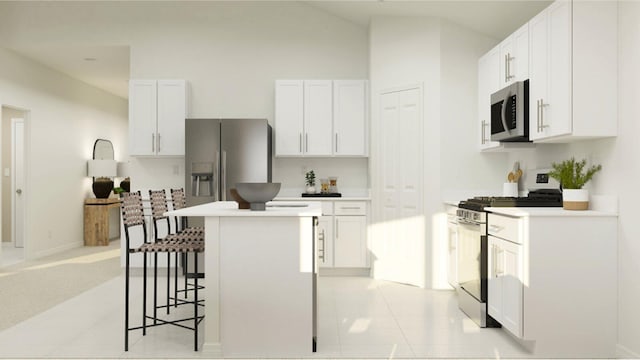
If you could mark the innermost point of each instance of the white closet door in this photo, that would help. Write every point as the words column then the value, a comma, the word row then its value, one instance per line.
column 399, row 245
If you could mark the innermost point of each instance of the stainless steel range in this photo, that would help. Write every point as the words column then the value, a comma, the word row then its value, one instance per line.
column 473, row 247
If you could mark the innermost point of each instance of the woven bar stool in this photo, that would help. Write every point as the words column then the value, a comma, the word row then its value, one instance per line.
column 132, row 216
column 179, row 202
column 158, row 201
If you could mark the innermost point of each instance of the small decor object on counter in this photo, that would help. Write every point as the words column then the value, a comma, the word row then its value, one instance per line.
column 126, row 184
column 310, row 181
column 333, row 184
column 242, row 203
column 257, row 194
column 324, row 186
column 572, row 177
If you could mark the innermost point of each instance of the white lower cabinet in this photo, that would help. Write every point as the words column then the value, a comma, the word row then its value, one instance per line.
column 325, row 241
column 552, row 280
column 350, row 241
column 505, row 286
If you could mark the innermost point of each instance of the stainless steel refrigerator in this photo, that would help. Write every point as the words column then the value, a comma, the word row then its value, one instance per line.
column 220, row 153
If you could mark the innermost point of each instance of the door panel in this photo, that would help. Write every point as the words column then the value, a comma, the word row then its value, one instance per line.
column 18, row 182
column 318, row 116
column 142, row 117
column 289, row 117
column 171, row 116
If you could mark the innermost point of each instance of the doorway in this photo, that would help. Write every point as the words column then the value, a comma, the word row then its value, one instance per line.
column 13, row 183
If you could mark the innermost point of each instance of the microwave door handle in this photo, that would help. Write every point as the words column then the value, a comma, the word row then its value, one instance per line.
column 503, row 112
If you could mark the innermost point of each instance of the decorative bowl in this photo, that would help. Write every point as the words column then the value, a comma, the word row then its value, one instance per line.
column 242, row 203
column 257, row 194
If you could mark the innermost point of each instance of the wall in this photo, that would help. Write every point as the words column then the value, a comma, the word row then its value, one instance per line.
column 7, row 115
column 620, row 169
column 443, row 57
column 65, row 117
column 230, row 54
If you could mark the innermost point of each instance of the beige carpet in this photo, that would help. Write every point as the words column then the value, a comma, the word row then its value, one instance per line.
column 31, row 287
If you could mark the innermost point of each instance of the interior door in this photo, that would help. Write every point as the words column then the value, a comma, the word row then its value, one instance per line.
column 18, row 179
column 400, row 253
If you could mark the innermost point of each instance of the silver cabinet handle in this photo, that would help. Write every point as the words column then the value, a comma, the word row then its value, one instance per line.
column 506, row 68
column 321, row 250
column 336, row 142
column 153, row 142
column 499, row 270
column 306, row 142
column 224, row 176
column 538, row 115
column 337, row 232
column 482, row 133
column 215, row 180
column 350, row 208
column 158, row 142
column 542, row 105
column 300, row 142
column 495, row 228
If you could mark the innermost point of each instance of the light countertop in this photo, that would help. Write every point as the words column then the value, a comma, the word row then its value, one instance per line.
column 547, row 211
column 342, row 198
column 230, row 208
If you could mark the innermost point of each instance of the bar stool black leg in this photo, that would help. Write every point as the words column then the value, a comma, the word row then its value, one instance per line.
column 144, row 295
column 155, row 288
column 126, row 303
column 186, row 272
column 175, row 284
column 195, row 306
column 168, row 279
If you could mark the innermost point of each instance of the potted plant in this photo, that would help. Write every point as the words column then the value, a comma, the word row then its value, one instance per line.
column 572, row 177
column 310, row 180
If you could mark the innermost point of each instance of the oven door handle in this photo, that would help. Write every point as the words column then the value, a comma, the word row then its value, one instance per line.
column 465, row 222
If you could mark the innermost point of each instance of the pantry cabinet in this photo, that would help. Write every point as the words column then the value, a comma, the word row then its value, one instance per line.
column 321, row 118
column 573, row 71
column 157, row 111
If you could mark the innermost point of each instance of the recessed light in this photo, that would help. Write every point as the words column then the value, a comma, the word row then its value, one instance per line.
column 90, row 59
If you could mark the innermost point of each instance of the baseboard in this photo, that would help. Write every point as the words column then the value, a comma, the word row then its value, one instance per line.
column 53, row 251
column 623, row 352
column 212, row 350
column 344, row 272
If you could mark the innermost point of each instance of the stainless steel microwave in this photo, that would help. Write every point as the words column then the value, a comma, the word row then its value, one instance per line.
column 510, row 113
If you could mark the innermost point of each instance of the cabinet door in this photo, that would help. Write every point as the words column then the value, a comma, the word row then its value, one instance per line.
column 556, row 112
column 318, row 115
column 512, row 287
column 289, row 117
column 550, row 72
column 519, row 65
column 507, row 47
column 325, row 241
column 142, row 117
column 452, row 263
column 172, row 111
column 538, row 71
column 488, row 82
column 494, row 284
column 350, row 245
column 350, row 117
column 505, row 287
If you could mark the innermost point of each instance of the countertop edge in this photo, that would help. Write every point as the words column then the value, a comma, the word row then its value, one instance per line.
column 230, row 209
column 343, row 198
column 547, row 211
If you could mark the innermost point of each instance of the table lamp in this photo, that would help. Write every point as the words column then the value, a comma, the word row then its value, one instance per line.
column 102, row 171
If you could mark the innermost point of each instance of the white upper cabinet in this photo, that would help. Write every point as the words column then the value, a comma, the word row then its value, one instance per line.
column 317, row 118
column 350, row 117
column 157, row 111
column 321, row 118
column 514, row 57
column 573, row 71
column 289, row 124
column 488, row 83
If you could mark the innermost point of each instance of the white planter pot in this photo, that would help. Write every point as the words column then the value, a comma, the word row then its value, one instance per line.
column 575, row 199
column 311, row 189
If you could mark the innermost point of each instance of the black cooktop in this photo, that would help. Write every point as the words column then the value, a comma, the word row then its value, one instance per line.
column 536, row 198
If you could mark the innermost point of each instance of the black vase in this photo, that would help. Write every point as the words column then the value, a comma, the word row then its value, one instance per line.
column 102, row 188
column 126, row 185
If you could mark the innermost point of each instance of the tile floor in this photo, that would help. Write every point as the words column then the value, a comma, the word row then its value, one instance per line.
column 10, row 254
column 358, row 318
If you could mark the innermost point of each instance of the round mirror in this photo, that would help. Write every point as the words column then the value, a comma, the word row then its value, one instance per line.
column 102, row 150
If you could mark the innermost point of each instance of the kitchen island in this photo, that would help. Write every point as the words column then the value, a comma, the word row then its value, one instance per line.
column 260, row 275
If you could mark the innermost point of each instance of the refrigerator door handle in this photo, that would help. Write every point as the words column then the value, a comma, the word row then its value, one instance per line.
column 224, row 176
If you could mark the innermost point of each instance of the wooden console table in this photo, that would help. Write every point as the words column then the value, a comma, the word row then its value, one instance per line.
column 96, row 220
